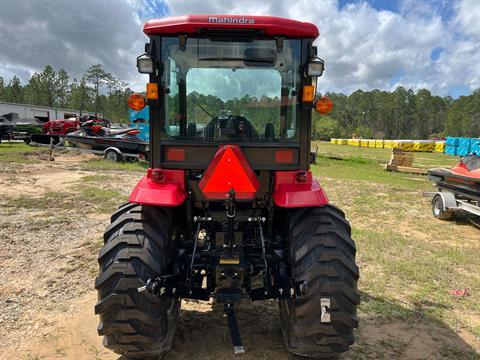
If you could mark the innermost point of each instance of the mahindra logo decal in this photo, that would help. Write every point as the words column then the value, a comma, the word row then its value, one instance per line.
column 227, row 20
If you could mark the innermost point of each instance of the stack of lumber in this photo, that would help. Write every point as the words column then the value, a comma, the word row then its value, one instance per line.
column 402, row 161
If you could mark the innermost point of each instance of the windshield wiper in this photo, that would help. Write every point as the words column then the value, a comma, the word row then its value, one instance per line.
column 201, row 107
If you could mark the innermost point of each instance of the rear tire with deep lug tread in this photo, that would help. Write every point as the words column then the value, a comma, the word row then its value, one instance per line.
column 137, row 247
column 322, row 253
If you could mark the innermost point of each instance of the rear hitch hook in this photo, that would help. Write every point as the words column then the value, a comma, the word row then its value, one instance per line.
column 233, row 327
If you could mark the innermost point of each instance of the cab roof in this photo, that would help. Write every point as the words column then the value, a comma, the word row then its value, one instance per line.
column 268, row 25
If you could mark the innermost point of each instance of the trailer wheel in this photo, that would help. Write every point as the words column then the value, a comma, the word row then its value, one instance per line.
column 113, row 155
column 137, row 247
column 438, row 207
column 320, row 322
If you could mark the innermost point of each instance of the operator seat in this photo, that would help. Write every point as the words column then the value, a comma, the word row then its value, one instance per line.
column 269, row 132
column 230, row 128
column 192, row 130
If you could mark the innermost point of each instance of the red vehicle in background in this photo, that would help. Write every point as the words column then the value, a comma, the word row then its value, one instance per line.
column 61, row 127
column 54, row 130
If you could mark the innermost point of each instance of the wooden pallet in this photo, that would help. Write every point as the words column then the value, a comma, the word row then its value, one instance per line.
column 401, row 161
column 405, row 169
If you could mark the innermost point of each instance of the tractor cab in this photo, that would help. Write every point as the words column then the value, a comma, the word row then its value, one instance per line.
column 242, row 82
column 229, row 208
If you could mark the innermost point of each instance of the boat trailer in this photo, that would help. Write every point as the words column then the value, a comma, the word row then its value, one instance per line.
column 446, row 203
column 111, row 153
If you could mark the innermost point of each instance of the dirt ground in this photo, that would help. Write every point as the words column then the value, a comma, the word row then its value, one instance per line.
column 49, row 242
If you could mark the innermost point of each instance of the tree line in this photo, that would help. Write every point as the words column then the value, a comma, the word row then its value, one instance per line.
column 96, row 91
column 400, row 114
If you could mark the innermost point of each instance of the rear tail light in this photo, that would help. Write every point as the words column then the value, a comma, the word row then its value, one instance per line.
column 301, row 177
column 158, row 175
column 175, row 154
column 284, row 156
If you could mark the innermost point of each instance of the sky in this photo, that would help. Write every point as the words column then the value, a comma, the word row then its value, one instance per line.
column 366, row 44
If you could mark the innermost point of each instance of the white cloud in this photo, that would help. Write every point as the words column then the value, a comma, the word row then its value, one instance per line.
column 70, row 35
column 362, row 46
column 367, row 48
column 467, row 18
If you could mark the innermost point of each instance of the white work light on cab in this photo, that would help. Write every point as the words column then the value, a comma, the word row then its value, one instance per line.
column 315, row 67
column 145, row 64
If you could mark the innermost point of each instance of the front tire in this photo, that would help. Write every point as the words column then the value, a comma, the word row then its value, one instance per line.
column 137, row 247
column 320, row 322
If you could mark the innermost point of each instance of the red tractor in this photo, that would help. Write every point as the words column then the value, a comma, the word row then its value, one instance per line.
column 229, row 208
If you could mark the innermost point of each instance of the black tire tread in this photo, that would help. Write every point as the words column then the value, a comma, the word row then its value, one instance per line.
column 136, row 248
column 321, row 252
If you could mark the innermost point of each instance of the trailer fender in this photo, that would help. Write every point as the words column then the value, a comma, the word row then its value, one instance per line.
column 113, row 148
column 294, row 189
column 448, row 200
column 160, row 187
column 116, row 154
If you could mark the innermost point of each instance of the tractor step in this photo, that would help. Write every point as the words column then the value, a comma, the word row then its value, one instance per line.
column 234, row 331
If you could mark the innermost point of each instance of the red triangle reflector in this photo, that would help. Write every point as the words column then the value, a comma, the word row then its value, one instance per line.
column 229, row 169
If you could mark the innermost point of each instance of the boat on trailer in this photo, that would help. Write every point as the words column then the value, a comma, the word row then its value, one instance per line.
column 458, row 188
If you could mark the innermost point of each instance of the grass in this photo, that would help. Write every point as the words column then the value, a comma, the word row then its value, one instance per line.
column 422, row 159
column 88, row 199
column 366, row 164
column 101, row 164
column 19, row 153
column 104, row 200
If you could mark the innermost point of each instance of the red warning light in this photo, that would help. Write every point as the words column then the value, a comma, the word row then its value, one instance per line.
column 229, row 169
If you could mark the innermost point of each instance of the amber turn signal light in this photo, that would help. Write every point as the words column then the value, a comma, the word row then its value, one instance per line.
column 308, row 94
column 323, row 105
column 136, row 102
column 152, row 91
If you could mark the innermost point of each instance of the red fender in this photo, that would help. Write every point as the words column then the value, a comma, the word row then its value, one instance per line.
column 161, row 187
column 295, row 189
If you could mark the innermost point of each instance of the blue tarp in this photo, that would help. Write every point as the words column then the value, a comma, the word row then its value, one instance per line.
column 461, row 146
column 451, row 141
column 464, row 143
column 476, row 146
column 140, row 120
column 451, row 150
column 461, row 151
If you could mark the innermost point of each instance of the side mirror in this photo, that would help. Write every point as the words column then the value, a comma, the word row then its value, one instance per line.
column 315, row 67
column 145, row 64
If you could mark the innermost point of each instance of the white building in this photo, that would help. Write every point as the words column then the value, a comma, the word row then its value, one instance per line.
column 40, row 112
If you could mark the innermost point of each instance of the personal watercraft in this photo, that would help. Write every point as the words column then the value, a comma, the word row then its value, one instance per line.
column 100, row 138
column 463, row 179
column 14, row 128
